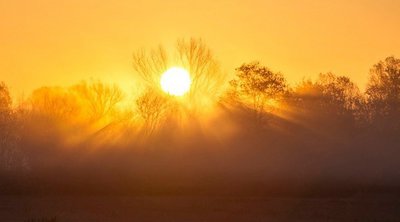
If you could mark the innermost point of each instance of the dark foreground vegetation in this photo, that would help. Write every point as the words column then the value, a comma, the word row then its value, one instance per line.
column 197, row 208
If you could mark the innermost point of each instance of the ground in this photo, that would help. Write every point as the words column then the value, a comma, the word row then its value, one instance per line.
column 197, row 208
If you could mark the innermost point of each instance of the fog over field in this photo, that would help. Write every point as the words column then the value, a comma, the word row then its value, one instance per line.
column 180, row 110
column 249, row 134
column 191, row 137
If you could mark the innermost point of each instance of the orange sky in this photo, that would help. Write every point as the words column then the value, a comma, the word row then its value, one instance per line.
column 47, row 42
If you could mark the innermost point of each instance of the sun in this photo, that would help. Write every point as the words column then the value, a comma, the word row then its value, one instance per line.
column 175, row 81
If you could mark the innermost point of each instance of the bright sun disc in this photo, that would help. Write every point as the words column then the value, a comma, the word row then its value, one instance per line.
column 175, row 81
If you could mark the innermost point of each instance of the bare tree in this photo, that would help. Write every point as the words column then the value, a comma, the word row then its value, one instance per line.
column 207, row 79
column 150, row 65
column 152, row 107
column 98, row 99
column 54, row 103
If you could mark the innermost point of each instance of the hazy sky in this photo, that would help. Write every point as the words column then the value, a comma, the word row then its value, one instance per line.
column 47, row 42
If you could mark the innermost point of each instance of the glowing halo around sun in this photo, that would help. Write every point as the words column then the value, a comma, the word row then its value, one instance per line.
column 175, row 81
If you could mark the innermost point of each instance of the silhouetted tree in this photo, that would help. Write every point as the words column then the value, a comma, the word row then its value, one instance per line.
column 152, row 107
column 150, row 65
column 5, row 118
column 207, row 79
column 258, row 88
column 342, row 95
column 10, row 155
column 55, row 103
column 332, row 103
column 98, row 99
column 5, row 103
column 383, row 93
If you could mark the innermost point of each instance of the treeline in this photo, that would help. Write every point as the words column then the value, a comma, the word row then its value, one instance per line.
column 255, row 112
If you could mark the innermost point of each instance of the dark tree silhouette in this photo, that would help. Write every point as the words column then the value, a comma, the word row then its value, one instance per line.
column 5, row 103
column 332, row 102
column 383, row 93
column 10, row 155
column 258, row 88
column 5, row 117
column 342, row 95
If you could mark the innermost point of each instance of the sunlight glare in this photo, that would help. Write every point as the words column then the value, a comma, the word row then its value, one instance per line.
column 175, row 81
